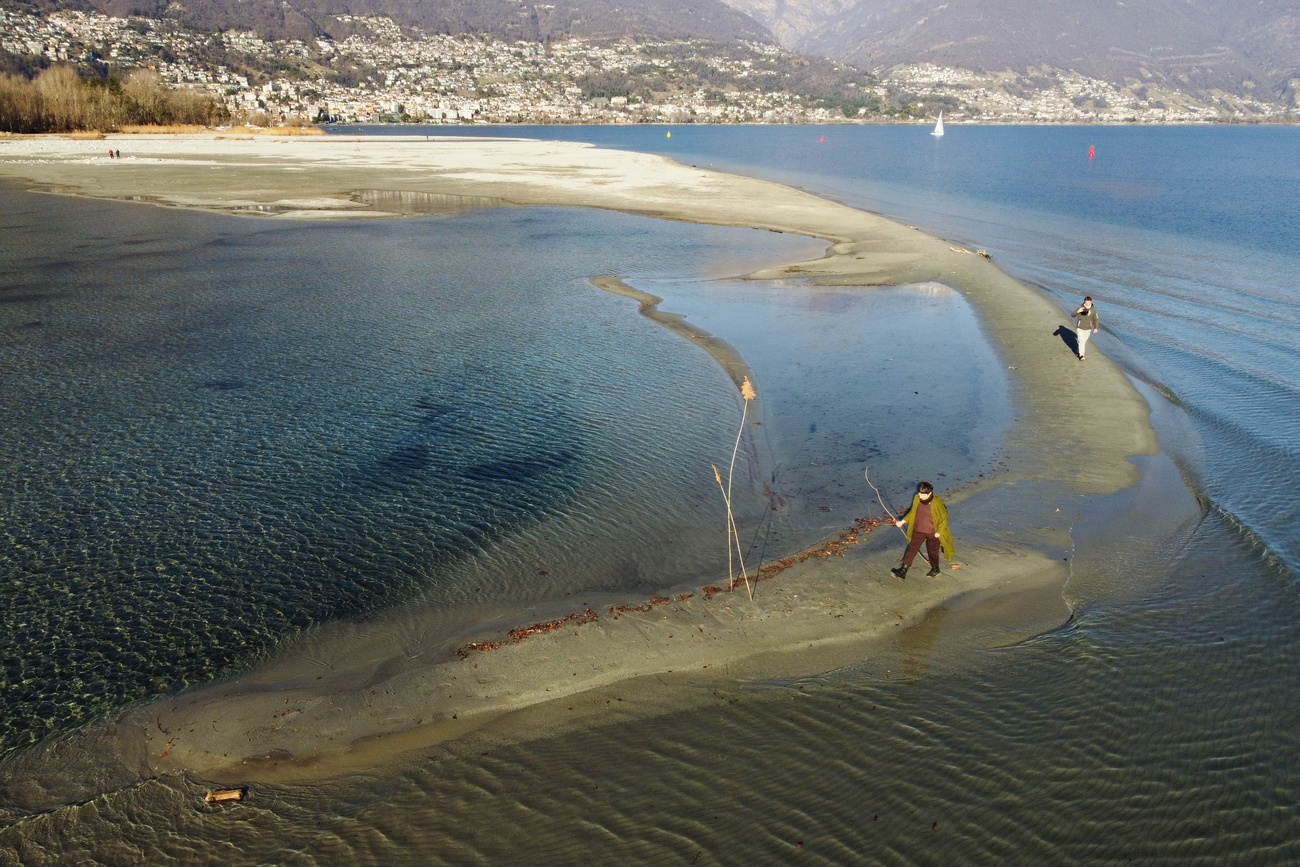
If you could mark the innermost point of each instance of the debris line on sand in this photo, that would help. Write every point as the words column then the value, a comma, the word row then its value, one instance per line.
column 829, row 548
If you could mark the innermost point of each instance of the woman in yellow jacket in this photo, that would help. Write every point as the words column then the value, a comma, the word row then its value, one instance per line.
column 929, row 524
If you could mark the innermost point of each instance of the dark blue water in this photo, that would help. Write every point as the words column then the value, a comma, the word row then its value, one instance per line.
column 1186, row 237
column 220, row 432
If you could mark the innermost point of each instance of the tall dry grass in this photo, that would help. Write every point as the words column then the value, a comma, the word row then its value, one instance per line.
column 733, row 533
column 169, row 128
column 60, row 100
column 277, row 130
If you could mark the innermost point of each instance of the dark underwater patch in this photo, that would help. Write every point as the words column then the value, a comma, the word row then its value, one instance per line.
column 28, row 297
column 408, row 459
column 520, row 469
column 431, row 410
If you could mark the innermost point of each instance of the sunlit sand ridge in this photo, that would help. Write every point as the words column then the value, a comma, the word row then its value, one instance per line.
column 299, row 718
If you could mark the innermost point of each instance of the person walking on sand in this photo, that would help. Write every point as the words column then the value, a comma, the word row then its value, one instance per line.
column 928, row 524
column 1085, row 323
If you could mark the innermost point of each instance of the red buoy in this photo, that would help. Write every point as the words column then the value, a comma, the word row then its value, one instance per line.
column 1091, row 151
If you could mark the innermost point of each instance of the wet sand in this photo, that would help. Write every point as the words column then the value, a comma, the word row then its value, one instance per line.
column 1076, row 428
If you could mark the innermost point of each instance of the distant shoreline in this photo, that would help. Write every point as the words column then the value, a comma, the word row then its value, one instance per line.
column 923, row 122
column 335, row 129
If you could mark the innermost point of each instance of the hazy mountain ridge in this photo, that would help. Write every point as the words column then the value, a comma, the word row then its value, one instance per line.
column 1194, row 45
column 1046, row 61
column 789, row 22
column 504, row 19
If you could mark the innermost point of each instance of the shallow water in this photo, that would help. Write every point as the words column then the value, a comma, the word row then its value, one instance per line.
column 221, row 432
column 1158, row 725
column 848, row 393
column 1185, row 236
column 306, row 424
column 1082, row 745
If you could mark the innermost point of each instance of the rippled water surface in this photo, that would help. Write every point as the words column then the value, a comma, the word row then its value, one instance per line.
column 220, row 432
column 294, row 390
column 1185, row 236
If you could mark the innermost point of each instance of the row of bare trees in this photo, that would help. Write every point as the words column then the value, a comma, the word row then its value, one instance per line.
column 60, row 100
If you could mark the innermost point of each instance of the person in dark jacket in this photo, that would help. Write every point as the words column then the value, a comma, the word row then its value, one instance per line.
column 1085, row 323
column 927, row 523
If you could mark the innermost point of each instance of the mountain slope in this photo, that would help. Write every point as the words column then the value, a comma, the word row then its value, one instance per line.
column 1195, row 45
column 505, row 19
column 791, row 21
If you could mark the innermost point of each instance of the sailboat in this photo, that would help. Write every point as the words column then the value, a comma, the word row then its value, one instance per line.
column 938, row 127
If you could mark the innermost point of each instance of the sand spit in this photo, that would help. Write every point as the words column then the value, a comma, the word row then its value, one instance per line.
column 1076, row 427
column 817, row 615
column 723, row 352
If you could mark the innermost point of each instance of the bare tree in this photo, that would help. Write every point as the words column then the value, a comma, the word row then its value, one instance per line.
column 60, row 100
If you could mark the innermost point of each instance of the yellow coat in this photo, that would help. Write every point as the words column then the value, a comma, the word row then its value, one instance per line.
column 939, row 512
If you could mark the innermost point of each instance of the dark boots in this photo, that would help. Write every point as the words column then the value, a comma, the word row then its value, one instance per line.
column 900, row 572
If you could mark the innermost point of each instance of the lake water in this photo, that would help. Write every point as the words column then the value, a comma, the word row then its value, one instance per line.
column 221, row 432
column 1185, row 237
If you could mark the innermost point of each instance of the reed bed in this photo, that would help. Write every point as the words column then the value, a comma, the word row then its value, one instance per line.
column 61, row 101
column 276, row 130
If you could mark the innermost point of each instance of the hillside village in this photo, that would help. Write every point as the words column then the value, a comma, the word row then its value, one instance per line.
column 384, row 73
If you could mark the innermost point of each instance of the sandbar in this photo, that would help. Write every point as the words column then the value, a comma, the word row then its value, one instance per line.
column 1076, row 430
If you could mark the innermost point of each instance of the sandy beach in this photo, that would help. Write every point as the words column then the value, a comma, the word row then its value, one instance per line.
column 1076, row 429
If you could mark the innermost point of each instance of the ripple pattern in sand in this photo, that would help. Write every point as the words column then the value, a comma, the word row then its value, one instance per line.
column 1093, row 744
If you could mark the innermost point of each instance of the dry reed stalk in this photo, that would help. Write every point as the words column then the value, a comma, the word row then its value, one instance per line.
column 726, row 502
column 748, row 393
column 732, row 533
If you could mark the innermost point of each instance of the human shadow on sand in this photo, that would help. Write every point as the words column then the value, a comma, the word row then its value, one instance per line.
column 1068, row 337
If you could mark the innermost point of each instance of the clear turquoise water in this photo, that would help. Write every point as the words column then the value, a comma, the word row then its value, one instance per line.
column 1157, row 726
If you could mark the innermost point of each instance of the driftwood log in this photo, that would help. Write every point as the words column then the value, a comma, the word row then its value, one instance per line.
column 218, row 796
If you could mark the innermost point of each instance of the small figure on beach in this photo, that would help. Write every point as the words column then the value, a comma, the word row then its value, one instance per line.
column 929, row 524
column 110, row 153
column 119, row 155
column 1085, row 323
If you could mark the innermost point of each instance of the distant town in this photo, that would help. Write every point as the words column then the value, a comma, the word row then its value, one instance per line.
column 384, row 73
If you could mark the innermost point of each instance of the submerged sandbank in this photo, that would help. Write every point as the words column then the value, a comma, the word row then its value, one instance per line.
column 1076, row 428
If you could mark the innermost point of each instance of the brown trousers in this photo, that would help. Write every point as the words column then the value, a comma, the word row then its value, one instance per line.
column 931, row 548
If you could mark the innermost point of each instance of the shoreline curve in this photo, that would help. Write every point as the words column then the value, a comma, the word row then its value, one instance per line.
column 270, row 724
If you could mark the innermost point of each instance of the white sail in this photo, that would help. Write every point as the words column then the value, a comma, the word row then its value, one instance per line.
column 938, row 127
